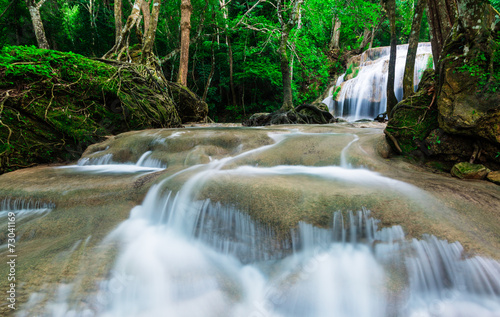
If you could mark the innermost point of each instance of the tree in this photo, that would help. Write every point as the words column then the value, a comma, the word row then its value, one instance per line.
column 118, row 19
column 121, row 48
column 442, row 16
column 36, row 19
column 148, row 57
column 186, row 10
column 390, row 8
column 293, row 9
column 335, row 39
column 412, row 50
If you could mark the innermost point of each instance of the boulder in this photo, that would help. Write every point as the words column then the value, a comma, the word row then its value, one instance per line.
column 494, row 177
column 447, row 147
column 469, row 98
column 466, row 170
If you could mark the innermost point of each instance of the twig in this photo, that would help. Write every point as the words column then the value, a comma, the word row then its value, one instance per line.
column 50, row 102
column 248, row 11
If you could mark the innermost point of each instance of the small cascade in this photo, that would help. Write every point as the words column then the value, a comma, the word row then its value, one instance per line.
column 106, row 164
column 105, row 159
column 24, row 207
column 234, row 233
column 364, row 96
column 444, row 283
column 146, row 161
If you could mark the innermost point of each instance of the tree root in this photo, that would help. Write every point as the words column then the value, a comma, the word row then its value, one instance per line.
column 393, row 139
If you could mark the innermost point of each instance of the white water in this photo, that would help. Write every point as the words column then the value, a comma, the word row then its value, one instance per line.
column 105, row 164
column 23, row 207
column 181, row 256
column 364, row 97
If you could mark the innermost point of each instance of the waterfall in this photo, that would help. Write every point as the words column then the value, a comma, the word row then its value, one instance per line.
column 364, row 96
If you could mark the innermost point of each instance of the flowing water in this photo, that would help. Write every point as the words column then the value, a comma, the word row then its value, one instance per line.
column 182, row 255
column 364, row 96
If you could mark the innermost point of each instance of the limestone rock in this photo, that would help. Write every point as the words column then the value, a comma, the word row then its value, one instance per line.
column 448, row 147
column 466, row 170
column 469, row 100
column 494, row 177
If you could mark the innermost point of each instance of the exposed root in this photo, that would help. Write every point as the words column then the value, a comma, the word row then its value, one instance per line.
column 393, row 139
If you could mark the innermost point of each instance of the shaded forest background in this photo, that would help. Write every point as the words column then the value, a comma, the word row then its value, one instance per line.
column 242, row 35
column 234, row 62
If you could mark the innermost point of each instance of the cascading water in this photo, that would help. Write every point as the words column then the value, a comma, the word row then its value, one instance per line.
column 24, row 207
column 180, row 255
column 364, row 96
column 105, row 164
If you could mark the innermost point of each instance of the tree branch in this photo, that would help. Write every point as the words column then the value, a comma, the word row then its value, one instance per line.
column 39, row 4
column 8, row 6
column 248, row 11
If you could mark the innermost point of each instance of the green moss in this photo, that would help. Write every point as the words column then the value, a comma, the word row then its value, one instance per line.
column 54, row 104
column 415, row 117
column 466, row 170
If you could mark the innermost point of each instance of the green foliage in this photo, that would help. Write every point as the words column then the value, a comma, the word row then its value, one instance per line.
column 349, row 69
column 478, row 67
column 430, row 63
column 87, row 27
column 336, row 92
column 495, row 4
column 70, row 18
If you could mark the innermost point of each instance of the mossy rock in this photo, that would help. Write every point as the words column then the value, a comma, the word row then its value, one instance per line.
column 413, row 118
column 465, row 170
column 494, row 177
column 303, row 114
column 469, row 76
column 54, row 104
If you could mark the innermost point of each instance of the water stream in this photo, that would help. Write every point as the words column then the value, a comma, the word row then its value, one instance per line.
column 180, row 255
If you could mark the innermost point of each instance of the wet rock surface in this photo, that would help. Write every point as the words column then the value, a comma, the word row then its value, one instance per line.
column 279, row 176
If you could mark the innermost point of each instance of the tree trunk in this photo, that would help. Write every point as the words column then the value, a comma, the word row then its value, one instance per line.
column 118, row 20
column 366, row 39
column 211, row 75
column 231, row 72
column 148, row 57
column 335, row 40
column 146, row 13
column 441, row 16
column 36, row 19
column 391, row 97
column 286, row 27
column 186, row 10
column 372, row 36
column 122, row 45
column 285, row 73
column 412, row 50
